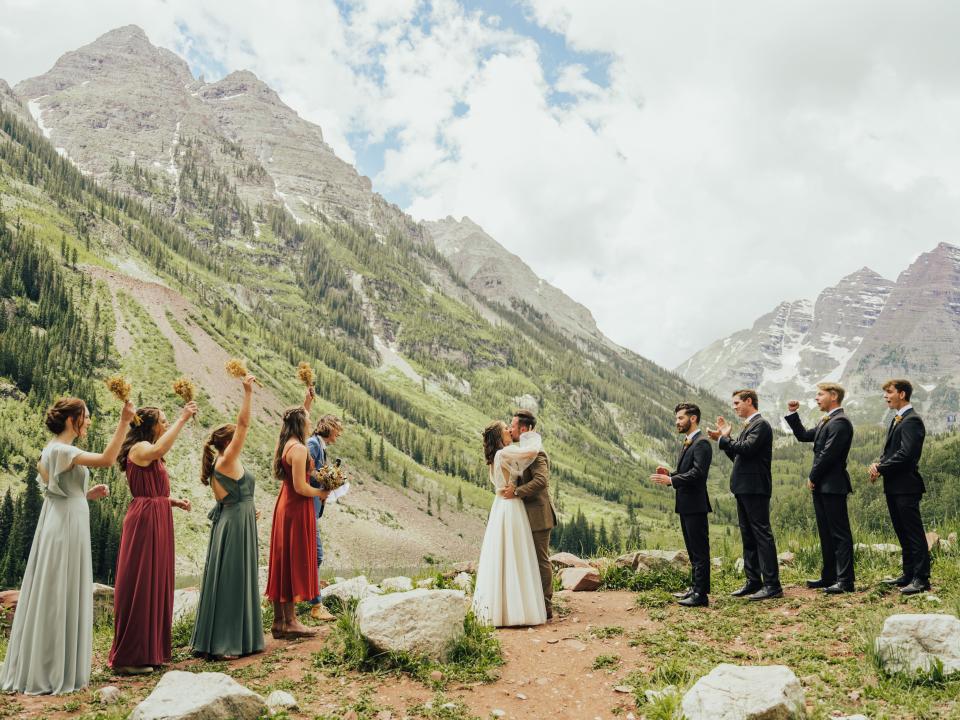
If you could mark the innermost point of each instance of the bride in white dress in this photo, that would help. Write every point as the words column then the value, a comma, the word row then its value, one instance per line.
column 508, row 590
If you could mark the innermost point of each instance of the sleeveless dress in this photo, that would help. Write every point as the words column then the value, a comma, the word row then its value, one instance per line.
column 292, row 573
column 143, row 595
column 228, row 616
column 508, row 590
column 50, row 646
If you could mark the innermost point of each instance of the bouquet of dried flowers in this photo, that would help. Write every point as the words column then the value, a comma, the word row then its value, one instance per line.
column 185, row 389
column 121, row 389
column 305, row 373
column 238, row 368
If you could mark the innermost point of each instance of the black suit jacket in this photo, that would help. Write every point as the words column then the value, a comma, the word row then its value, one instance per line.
column 831, row 445
column 690, row 477
column 901, row 456
column 751, row 453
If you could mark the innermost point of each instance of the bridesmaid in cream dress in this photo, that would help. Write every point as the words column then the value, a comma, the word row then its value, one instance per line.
column 50, row 646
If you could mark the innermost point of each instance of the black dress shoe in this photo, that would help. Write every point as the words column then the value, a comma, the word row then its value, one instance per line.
column 748, row 589
column 838, row 589
column 683, row 595
column 695, row 600
column 901, row 581
column 818, row 584
column 767, row 593
column 915, row 587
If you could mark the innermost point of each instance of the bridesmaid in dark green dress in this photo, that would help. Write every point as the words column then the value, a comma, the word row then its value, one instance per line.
column 229, row 623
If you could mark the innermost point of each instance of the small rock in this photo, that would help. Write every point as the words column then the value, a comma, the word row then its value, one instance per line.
column 543, row 681
column 426, row 583
column 952, row 538
column 888, row 548
column 436, row 676
column 496, row 712
column 933, row 599
column 207, row 695
column 580, row 579
column 281, row 700
column 102, row 603
column 626, row 689
column 521, row 696
column 400, row 583
column 574, row 644
column 716, row 562
column 786, row 558
column 469, row 567
column 654, row 695
column 108, row 695
column 353, row 589
column 738, row 566
column 384, row 715
column 933, row 540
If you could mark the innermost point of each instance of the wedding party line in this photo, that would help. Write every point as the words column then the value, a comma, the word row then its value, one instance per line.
column 50, row 645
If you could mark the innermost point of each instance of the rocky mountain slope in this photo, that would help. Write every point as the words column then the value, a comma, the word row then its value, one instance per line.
column 860, row 332
column 214, row 222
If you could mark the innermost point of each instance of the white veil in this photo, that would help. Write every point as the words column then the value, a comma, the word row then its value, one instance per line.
column 510, row 461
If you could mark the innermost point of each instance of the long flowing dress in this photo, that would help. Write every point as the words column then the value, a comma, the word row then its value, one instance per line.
column 508, row 590
column 50, row 646
column 292, row 575
column 143, row 595
column 228, row 616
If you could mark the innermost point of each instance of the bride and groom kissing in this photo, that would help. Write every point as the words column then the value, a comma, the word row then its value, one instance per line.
column 514, row 583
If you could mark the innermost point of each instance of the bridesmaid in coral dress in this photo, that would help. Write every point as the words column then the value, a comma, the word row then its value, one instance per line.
column 292, row 576
column 143, row 596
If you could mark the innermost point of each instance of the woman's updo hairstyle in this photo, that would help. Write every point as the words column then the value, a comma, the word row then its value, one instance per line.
column 216, row 444
column 62, row 410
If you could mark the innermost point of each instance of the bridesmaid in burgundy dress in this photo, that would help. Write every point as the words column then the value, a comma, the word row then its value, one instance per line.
column 143, row 596
column 292, row 575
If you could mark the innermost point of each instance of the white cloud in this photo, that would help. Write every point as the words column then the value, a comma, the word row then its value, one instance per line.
column 741, row 153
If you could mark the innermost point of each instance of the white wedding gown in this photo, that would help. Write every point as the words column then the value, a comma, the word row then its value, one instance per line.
column 508, row 589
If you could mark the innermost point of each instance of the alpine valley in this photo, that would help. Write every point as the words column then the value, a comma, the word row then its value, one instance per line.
column 860, row 332
column 156, row 225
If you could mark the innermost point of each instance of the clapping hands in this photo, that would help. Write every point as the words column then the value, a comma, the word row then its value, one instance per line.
column 723, row 429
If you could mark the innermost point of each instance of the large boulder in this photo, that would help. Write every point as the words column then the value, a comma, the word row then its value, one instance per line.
column 734, row 692
column 353, row 589
column 909, row 643
column 675, row 558
column 400, row 583
column 199, row 696
column 580, row 579
column 420, row 622
column 567, row 560
column 185, row 602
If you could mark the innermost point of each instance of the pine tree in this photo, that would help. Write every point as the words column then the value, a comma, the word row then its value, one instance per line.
column 403, row 478
column 382, row 456
column 6, row 518
column 369, row 448
column 429, row 509
column 459, row 498
column 32, row 502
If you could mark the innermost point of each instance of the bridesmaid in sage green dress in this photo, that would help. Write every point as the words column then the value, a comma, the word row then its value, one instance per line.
column 229, row 623
column 51, row 640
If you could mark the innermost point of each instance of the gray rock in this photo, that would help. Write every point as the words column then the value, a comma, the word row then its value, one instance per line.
column 733, row 692
column 911, row 643
column 426, row 583
column 108, row 695
column 786, row 558
column 420, row 622
column 199, row 696
column 353, row 589
column 281, row 700
column 651, row 558
column 185, row 602
column 397, row 584
column 102, row 603
column 565, row 560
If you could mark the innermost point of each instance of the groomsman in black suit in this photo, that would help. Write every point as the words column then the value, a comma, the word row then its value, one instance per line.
column 903, row 486
column 692, row 504
column 751, row 483
column 830, row 484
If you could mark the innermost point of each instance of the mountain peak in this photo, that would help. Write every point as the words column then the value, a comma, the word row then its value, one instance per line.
column 125, row 33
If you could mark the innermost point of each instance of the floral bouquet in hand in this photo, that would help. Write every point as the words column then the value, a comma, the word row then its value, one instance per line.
column 237, row 368
column 330, row 477
column 121, row 389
